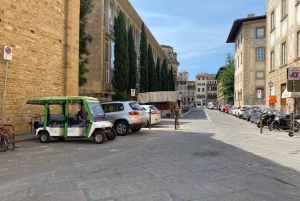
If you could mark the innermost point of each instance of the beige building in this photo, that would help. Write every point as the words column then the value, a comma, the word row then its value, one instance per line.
column 190, row 98
column 249, row 36
column 282, row 49
column 206, row 88
column 101, row 23
column 44, row 55
column 182, row 83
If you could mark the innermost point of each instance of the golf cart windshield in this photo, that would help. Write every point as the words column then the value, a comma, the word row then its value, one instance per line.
column 96, row 109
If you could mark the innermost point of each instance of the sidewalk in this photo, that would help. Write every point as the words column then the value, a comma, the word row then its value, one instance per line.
column 25, row 137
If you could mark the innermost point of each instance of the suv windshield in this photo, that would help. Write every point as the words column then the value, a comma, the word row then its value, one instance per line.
column 96, row 109
column 135, row 106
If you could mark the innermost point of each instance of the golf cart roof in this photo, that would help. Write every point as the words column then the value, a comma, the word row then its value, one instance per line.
column 60, row 100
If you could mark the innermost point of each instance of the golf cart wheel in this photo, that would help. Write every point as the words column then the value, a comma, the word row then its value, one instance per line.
column 44, row 137
column 291, row 134
column 296, row 128
column 99, row 137
column 112, row 135
column 122, row 128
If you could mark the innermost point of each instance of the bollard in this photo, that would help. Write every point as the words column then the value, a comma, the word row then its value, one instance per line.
column 150, row 118
column 176, row 114
column 261, row 123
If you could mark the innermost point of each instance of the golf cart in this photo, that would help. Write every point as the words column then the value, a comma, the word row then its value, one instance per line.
column 60, row 121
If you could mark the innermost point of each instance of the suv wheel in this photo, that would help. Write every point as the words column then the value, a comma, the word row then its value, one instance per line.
column 135, row 129
column 122, row 128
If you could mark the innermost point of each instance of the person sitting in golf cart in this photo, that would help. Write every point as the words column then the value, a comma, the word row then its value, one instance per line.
column 82, row 114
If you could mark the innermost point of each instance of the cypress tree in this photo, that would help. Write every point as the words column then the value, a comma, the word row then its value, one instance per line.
column 86, row 7
column 172, row 87
column 151, row 70
column 121, row 62
column 167, row 74
column 158, row 75
column 163, row 76
column 132, row 61
column 143, row 61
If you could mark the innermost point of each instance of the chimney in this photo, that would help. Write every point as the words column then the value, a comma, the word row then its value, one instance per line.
column 251, row 15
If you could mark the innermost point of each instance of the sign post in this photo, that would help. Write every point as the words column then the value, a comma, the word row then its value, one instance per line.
column 293, row 74
column 7, row 55
column 132, row 92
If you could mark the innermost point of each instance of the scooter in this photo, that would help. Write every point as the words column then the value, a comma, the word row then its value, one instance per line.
column 267, row 119
column 283, row 123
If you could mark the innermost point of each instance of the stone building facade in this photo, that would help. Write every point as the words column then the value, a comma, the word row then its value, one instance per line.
column 249, row 36
column 100, row 26
column 182, row 83
column 44, row 39
column 283, row 49
column 206, row 88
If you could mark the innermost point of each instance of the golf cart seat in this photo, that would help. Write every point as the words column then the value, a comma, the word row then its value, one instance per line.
column 57, row 120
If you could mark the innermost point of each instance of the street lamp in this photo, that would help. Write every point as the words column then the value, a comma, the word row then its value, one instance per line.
column 270, row 85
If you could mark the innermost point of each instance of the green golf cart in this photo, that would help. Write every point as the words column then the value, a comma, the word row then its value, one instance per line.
column 59, row 119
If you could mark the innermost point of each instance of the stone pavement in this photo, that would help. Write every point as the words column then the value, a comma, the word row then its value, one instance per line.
column 211, row 157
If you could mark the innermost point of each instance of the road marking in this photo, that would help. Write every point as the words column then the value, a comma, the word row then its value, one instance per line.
column 207, row 116
column 114, row 150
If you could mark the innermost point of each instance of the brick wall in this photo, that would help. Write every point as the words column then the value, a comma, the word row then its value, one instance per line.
column 45, row 55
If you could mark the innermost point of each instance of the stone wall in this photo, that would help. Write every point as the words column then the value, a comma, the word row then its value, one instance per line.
column 44, row 38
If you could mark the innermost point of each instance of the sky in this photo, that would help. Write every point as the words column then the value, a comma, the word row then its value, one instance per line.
column 196, row 29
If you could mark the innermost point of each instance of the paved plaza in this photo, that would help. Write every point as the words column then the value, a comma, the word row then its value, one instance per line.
column 211, row 157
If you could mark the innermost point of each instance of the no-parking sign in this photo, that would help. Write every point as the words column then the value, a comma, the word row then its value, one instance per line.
column 7, row 55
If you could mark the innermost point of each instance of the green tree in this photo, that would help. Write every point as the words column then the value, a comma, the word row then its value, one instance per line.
column 86, row 7
column 151, row 71
column 172, row 84
column 143, row 61
column 164, row 76
column 226, row 79
column 121, row 63
column 158, row 75
column 132, row 61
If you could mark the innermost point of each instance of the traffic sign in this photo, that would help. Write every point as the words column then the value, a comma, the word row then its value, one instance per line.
column 258, row 93
column 293, row 73
column 7, row 53
column 132, row 92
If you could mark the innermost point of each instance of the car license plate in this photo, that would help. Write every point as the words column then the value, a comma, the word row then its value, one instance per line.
column 143, row 119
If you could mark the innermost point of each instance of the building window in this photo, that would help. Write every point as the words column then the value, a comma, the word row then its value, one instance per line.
column 198, row 89
column 241, row 38
column 298, row 34
column 260, row 53
column 272, row 20
column 284, row 53
column 106, row 60
column 241, row 58
column 283, row 8
column 260, row 33
column 203, row 89
column 260, row 75
column 272, row 61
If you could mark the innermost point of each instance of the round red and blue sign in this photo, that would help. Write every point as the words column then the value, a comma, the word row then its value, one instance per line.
column 7, row 50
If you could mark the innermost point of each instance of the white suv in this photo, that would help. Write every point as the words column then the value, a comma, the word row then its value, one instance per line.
column 240, row 110
column 125, row 115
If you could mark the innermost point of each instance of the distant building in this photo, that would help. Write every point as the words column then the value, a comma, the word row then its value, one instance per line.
column 191, row 95
column 206, row 88
column 249, row 36
column 182, row 83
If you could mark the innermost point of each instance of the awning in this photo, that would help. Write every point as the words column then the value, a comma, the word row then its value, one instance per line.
column 159, row 96
column 287, row 94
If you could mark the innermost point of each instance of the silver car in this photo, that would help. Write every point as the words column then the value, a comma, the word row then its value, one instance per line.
column 125, row 115
column 155, row 114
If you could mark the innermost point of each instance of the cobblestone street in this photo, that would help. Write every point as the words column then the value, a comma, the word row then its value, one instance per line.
column 211, row 157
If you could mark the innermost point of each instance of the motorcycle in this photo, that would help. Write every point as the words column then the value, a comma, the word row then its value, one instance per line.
column 267, row 119
column 284, row 123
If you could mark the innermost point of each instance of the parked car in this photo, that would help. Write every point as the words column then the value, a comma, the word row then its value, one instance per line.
column 247, row 114
column 155, row 114
column 227, row 109
column 125, row 115
column 240, row 110
column 231, row 110
column 255, row 116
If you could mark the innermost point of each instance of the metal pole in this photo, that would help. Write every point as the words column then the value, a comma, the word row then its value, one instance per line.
column 150, row 118
column 4, row 94
column 294, row 111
